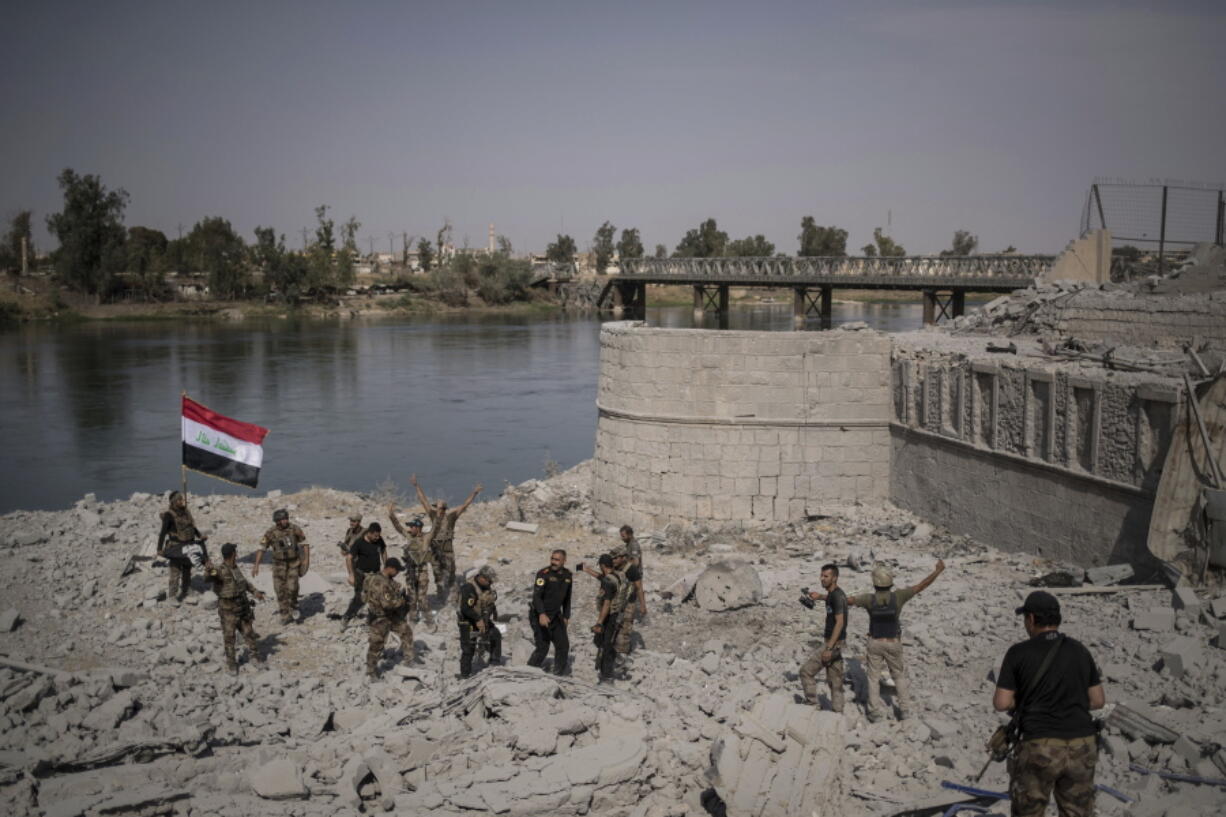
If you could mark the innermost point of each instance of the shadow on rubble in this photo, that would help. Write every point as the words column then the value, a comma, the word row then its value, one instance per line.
column 266, row 647
column 311, row 605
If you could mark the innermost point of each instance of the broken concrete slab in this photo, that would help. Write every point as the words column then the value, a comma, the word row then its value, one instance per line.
column 280, row 779
column 9, row 620
column 1184, row 597
column 1159, row 620
column 523, row 527
column 1180, row 655
column 728, row 585
column 1109, row 574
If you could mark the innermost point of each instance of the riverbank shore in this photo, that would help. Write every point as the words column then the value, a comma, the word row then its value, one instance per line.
column 301, row 734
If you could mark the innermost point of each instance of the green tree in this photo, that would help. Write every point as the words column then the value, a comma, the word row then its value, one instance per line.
column 504, row 245
column 10, row 249
column 661, row 251
column 348, row 254
column 602, row 246
column 561, row 251
column 818, row 241
column 502, row 279
column 321, row 255
column 285, row 272
column 90, row 231
column 963, row 244
column 1009, row 249
column 630, row 245
column 707, row 241
column 755, row 246
column 442, row 238
column 215, row 248
column 884, row 246
column 425, row 254
column 146, row 248
column 175, row 259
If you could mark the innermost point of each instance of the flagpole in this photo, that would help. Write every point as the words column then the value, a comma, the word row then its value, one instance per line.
column 182, row 467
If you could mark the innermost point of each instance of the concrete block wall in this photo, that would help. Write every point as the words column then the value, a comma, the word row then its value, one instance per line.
column 738, row 427
column 1036, row 458
column 1159, row 320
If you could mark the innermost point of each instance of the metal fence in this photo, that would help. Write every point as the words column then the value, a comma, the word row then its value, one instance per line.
column 1161, row 215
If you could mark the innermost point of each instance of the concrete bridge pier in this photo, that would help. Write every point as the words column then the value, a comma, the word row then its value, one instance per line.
column 630, row 300
column 810, row 302
column 711, row 298
column 939, row 305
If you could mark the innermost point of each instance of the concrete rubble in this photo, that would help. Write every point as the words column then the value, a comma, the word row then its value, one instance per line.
column 113, row 701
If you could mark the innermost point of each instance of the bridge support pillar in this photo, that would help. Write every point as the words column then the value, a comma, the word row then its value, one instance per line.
column 938, row 305
column 959, row 303
column 630, row 301
column 711, row 299
column 805, row 304
column 930, row 307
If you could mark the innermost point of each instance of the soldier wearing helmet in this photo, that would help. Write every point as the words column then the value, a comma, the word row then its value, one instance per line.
column 476, row 613
column 291, row 558
column 885, row 636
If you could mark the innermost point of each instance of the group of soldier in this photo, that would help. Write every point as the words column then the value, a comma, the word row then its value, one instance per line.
column 393, row 608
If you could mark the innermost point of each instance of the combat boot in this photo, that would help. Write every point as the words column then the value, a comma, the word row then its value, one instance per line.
column 232, row 668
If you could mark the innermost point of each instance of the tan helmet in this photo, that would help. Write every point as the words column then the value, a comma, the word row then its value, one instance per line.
column 882, row 577
column 489, row 573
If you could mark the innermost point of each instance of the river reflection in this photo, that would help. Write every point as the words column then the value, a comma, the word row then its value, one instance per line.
column 461, row 399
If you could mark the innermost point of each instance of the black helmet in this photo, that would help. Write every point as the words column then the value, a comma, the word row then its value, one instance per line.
column 280, row 514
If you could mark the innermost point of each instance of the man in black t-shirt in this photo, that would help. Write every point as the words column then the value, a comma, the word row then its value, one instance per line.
column 1057, row 750
column 834, row 639
column 365, row 556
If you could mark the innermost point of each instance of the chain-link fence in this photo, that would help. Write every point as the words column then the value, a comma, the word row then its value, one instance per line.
column 1158, row 218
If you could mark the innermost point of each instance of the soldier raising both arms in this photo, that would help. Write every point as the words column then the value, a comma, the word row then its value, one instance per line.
column 233, row 605
column 442, row 536
column 291, row 557
column 416, row 565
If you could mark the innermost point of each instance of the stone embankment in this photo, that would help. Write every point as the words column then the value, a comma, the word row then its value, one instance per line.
column 114, row 701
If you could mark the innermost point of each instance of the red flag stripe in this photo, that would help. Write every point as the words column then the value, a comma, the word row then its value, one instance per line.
column 247, row 432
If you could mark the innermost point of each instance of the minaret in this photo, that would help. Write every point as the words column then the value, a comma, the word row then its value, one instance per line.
column 491, row 238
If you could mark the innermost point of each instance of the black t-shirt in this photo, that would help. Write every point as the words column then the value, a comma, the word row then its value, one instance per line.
column 366, row 554
column 1059, row 707
column 836, row 605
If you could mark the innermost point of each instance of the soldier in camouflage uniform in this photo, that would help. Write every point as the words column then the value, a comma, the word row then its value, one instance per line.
column 442, row 536
column 233, row 605
column 417, row 567
column 178, row 527
column 635, row 603
column 388, row 605
column 291, row 557
column 476, row 613
column 352, row 534
column 1058, row 747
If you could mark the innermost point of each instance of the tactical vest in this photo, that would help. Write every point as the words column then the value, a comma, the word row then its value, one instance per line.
column 622, row 596
column 231, row 583
column 283, row 543
column 486, row 599
column 883, row 618
column 182, row 526
column 417, row 551
column 381, row 594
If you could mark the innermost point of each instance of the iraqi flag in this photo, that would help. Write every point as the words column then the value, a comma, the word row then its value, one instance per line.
column 215, row 445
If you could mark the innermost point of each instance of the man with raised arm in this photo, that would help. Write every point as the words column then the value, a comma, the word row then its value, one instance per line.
column 442, row 536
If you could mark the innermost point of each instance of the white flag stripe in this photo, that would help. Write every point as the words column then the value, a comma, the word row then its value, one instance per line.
column 208, row 438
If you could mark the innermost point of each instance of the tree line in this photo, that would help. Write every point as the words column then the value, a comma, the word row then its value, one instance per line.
column 95, row 248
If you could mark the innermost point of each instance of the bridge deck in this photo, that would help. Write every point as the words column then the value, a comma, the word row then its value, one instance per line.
column 914, row 282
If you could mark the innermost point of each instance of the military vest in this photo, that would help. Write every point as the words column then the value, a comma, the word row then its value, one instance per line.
column 282, row 543
column 182, row 526
column 417, row 551
column 382, row 594
column 486, row 599
column 231, row 583
column 622, row 596
column 883, row 618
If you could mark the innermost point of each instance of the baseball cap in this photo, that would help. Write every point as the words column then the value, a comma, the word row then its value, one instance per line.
column 415, row 522
column 1039, row 601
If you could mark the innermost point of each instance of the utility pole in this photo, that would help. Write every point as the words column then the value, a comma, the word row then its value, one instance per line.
column 180, row 230
column 391, row 249
column 25, row 254
column 371, row 240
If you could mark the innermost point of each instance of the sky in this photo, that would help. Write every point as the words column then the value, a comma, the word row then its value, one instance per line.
column 548, row 117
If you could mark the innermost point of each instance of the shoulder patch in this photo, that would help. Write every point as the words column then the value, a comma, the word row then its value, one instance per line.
column 540, row 581
column 471, row 601
column 568, row 580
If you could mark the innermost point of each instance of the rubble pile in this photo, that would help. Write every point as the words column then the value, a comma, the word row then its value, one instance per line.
column 113, row 700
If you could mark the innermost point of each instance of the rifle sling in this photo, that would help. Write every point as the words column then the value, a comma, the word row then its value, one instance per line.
column 1034, row 683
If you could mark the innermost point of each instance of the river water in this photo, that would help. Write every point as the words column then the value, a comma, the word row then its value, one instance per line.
column 94, row 407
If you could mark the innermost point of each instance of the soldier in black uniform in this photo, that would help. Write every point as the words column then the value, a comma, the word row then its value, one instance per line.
column 549, row 613
column 476, row 614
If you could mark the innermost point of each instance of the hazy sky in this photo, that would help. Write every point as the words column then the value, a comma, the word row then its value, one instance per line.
column 539, row 117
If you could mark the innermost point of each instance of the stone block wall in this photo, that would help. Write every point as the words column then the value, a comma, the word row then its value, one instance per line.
column 738, row 427
column 1031, row 457
column 1158, row 320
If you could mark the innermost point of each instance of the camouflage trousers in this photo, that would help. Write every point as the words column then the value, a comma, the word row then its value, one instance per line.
column 417, row 579
column 442, row 555
column 285, row 584
column 1042, row 766
column 625, row 629
column 882, row 653
column 180, row 571
column 236, row 618
column 380, row 627
column 834, row 678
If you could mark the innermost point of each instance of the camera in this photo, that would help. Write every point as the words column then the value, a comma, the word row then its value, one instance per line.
column 805, row 600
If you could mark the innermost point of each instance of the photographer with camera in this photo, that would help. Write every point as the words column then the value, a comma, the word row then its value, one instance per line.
column 830, row 657
column 1050, row 683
